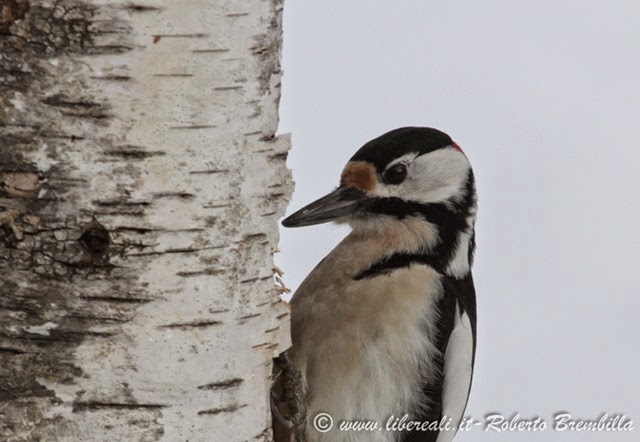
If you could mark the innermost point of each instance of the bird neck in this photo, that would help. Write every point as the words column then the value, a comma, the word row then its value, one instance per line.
column 439, row 234
column 445, row 242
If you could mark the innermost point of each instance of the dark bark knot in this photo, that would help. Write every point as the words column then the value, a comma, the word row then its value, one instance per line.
column 95, row 238
column 8, row 236
column 10, row 11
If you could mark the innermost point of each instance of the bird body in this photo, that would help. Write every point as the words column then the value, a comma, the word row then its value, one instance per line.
column 384, row 326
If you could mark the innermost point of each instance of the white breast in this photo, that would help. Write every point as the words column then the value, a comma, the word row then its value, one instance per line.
column 363, row 346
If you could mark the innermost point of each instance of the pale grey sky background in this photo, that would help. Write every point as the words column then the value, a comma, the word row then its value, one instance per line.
column 544, row 97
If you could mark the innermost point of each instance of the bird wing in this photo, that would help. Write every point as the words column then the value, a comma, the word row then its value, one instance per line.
column 458, row 370
column 459, row 354
column 455, row 339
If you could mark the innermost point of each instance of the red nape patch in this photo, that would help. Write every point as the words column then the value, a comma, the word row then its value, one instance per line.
column 454, row 144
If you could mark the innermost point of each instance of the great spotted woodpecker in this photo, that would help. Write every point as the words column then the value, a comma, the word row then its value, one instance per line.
column 385, row 325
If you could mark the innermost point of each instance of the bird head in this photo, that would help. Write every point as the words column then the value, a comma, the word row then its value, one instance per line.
column 396, row 176
column 413, row 184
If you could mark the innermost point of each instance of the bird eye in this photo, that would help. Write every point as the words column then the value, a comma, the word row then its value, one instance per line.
column 395, row 174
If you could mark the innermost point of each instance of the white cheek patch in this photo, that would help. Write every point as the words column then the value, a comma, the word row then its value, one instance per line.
column 434, row 177
column 438, row 176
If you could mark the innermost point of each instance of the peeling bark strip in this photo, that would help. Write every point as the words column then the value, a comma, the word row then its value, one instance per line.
column 140, row 185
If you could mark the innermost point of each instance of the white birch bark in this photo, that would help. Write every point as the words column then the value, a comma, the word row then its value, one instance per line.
column 140, row 186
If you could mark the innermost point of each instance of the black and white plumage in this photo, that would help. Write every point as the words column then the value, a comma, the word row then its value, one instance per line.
column 385, row 325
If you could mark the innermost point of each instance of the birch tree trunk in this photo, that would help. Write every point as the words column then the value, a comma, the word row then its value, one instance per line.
column 140, row 186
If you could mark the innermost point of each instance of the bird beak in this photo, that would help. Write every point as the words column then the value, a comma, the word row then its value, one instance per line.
column 341, row 202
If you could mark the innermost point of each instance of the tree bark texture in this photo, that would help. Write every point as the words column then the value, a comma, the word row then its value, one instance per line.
column 140, row 186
